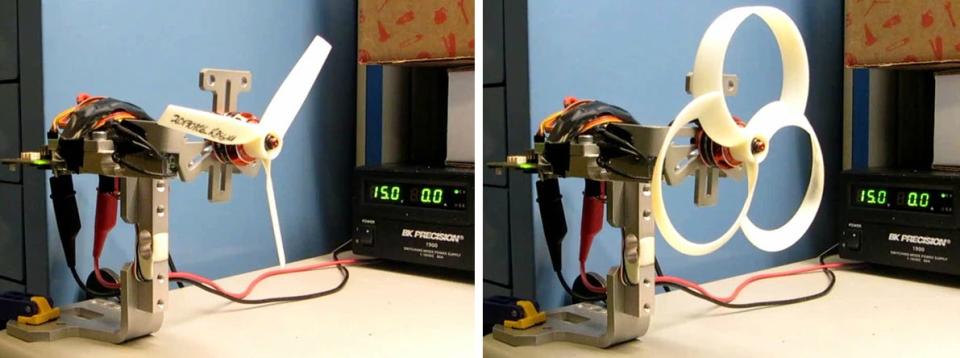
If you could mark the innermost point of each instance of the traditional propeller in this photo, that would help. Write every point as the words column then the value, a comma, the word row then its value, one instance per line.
column 263, row 140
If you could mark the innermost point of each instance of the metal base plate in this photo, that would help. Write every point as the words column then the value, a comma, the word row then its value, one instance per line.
column 95, row 319
column 582, row 323
column 139, row 313
column 625, row 317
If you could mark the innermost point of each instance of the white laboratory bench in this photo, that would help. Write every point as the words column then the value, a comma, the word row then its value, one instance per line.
column 874, row 313
column 380, row 312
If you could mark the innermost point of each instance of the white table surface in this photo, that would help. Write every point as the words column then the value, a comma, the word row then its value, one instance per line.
column 380, row 312
column 868, row 314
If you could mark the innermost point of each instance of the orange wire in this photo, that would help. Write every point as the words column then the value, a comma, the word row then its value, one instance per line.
column 547, row 123
column 59, row 121
column 117, row 116
column 599, row 121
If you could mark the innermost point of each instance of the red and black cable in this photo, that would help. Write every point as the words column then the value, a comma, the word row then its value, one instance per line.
column 700, row 292
column 108, row 196
column 210, row 286
column 591, row 222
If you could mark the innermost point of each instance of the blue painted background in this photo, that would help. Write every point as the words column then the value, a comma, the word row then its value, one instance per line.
column 149, row 53
column 636, row 54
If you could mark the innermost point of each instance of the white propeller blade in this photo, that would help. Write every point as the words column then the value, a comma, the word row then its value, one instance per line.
column 285, row 104
column 210, row 126
column 274, row 216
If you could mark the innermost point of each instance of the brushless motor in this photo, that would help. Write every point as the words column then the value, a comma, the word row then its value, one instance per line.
column 234, row 154
column 713, row 154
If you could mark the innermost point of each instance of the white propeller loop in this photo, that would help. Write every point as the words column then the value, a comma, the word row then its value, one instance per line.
column 210, row 126
column 286, row 103
column 751, row 144
column 708, row 66
column 770, row 119
column 694, row 110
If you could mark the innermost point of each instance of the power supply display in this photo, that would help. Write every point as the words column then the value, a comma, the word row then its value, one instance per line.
column 417, row 195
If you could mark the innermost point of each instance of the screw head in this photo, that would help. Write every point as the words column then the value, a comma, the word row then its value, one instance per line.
column 271, row 142
column 757, row 146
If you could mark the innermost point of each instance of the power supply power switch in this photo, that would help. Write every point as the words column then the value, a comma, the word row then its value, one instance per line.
column 852, row 239
column 363, row 235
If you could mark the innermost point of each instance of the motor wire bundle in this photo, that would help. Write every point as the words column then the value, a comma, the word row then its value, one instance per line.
column 109, row 115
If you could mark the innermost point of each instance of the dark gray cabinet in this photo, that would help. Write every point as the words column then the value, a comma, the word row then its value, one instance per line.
column 493, row 42
column 23, row 221
column 508, row 250
column 9, row 129
column 11, row 232
column 9, row 48
column 494, row 134
column 495, row 232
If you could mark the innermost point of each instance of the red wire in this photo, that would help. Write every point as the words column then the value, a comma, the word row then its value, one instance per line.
column 751, row 279
column 586, row 282
column 250, row 287
column 96, row 256
column 103, row 281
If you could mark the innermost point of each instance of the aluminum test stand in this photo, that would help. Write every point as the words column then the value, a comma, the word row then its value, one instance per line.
column 631, row 285
column 145, row 204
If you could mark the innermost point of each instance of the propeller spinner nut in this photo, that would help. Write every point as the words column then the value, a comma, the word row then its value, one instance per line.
column 758, row 146
column 271, row 142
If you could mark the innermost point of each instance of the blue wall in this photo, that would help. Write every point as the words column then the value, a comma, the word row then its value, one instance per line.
column 636, row 54
column 149, row 53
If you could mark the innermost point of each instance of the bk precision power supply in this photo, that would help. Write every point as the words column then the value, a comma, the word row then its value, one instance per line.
column 415, row 214
column 901, row 218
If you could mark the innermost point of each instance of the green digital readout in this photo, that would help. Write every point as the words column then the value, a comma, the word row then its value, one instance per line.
column 873, row 196
column 903, row 198
column 431, row 196
column 409, row 194
column 386, row 192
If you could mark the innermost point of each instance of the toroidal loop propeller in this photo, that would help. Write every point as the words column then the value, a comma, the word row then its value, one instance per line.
column 750, row 144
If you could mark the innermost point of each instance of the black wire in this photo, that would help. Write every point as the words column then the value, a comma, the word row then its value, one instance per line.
column 138, row 272
column 656, row 267
column 625, row 145
column 143, row 143
column 828, row 252
column 173, row 267
column 338, row 250
column 155, row 175
column 605, row 163
column 830, row 276
column 140, row 140
column 344, row 273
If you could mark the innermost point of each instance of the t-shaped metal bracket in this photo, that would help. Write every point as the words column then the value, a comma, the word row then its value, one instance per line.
column 226, row 86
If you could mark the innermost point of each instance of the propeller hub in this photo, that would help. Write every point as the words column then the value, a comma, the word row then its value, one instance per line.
column 271, row 142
